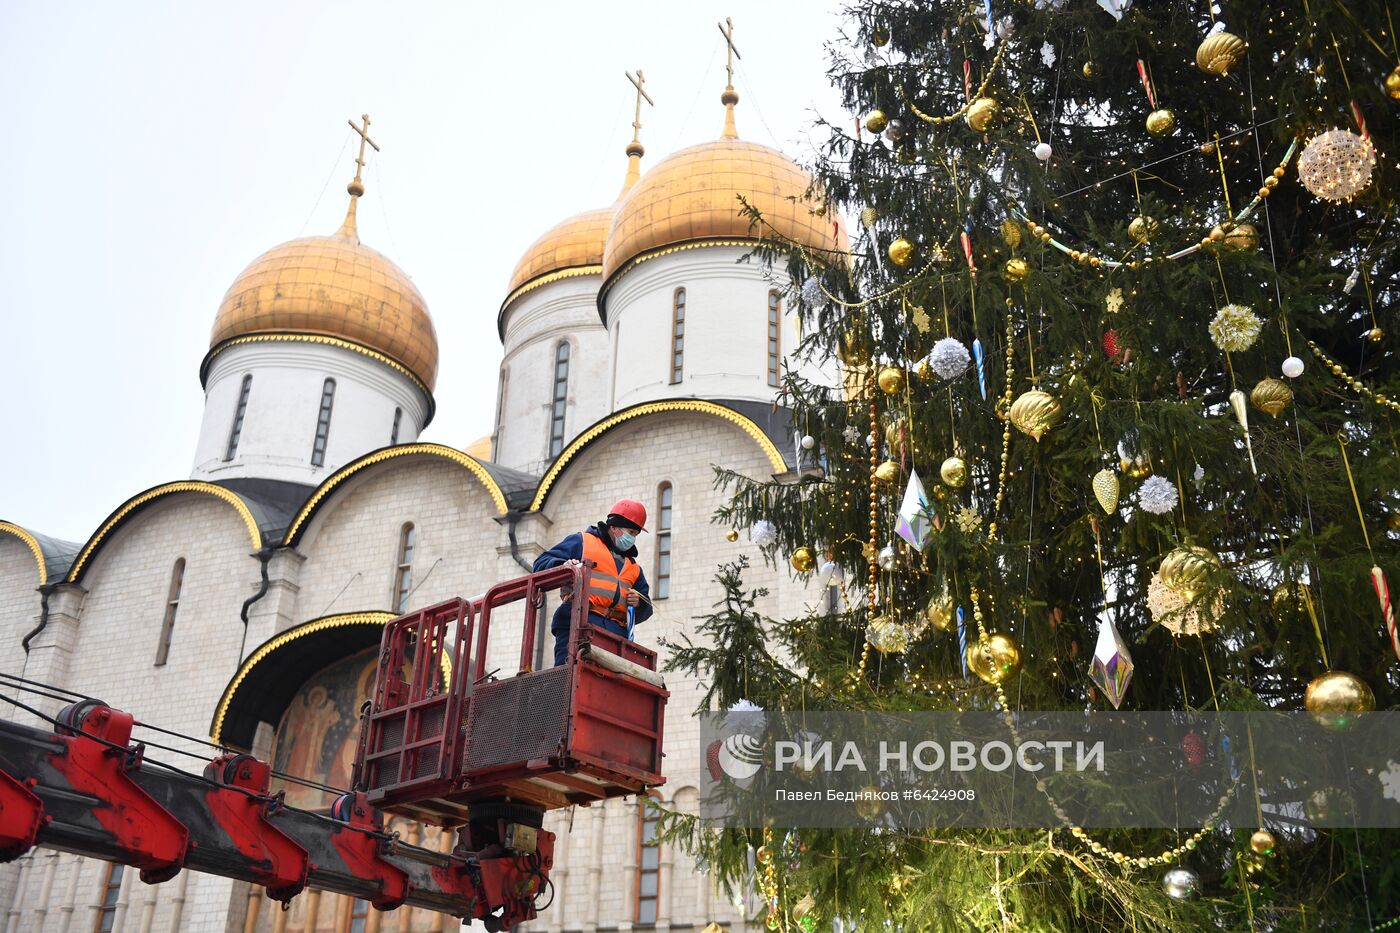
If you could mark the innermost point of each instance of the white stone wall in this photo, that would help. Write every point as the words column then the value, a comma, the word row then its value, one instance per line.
column 284, row 402
column 535, row 324
column 726, row 328
column 19, row 603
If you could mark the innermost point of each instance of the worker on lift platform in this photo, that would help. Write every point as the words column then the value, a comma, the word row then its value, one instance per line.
column 616, row 585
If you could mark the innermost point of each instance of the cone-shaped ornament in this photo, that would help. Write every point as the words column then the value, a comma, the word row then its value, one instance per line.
column 1106, row 490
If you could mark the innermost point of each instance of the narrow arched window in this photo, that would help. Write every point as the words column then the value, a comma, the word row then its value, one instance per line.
column 775, row 320
column 677, row 336
column 237, row 430
column 172, row 606
column 323, row 424
column 111, row 890
column 561, row 398
column 403, row 572
column 394, row 432
column 648, row 861
column 661, row 586
column 500, row 412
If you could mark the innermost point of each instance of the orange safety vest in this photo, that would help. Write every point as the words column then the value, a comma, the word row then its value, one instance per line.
column 607, row 587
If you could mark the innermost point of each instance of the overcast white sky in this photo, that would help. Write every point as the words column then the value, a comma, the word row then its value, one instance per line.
column 149, row 151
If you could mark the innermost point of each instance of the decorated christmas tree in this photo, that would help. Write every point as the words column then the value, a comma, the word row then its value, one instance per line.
column 1117, row 429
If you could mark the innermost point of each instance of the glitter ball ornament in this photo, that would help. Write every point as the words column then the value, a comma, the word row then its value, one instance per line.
column 1036, row 412
column 1292, row 367
column 1220, row 52
column 940, row 612
column 1263, row 842
column 1143, row 228
column 954, row 472
column 1106, row 490
column 1181, row 883
column 996, row 660
column 812, row 295
column 901, row 252
column 1336, row 697
column 803, row 560
column 763, row 532
column 1157, row 495
column 891, row 380
column 1235, row 328
column 1161, row 122
column 1043, row 151
column 949, row 358
column 1011, row 233
column 1017, row 270
column 1271, row 396
column 1336, row 165
column 982, row 113
column 886, row 558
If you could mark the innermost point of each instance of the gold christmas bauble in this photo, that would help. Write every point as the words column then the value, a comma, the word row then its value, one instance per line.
column 891, row 380
column 1036, row 412
column 982, row 113
column 925, row 371
column 1142, row 228
column 1336, row 697
column 940, row 612
column 1136, row 467
column 1106, row 490
column 897, row 436
column 880, row 36
column 1187, row 571
column 732, row 536
column 1238, row 238
column 1017, row 270
column 998, row 660
column 1220, row 52
column 876, row 121
column 764, row 855
column 1161, row 122
column 1375, row 335
column 803, row 560
column 1263, row 842
column 954, row 472
column 853, row 350
column 1271, row 396
column 1393, row 522
column 868, row 804
column 1090, row 70
column 901, row 252
column 1392, row 83
column 1290, row 601
column 887, row 472
column 1011, row 233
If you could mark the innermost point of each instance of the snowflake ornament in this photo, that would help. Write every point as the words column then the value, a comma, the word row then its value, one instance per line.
column 851, row 434
column 1047, row 54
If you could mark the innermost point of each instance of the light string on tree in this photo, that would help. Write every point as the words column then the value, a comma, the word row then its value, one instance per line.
column 1088, row 258
column 1351, row 381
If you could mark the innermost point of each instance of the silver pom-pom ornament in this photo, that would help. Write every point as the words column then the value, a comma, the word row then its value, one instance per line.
column 763, row 532
column 812, row 295
column 1157, row 495
column 949, row 358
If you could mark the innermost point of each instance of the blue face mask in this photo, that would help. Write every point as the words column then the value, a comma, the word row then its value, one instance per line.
column 625, row 541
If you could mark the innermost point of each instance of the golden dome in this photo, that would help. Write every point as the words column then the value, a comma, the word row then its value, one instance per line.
column 693, row 195
column 332, row 286
column 576, row 243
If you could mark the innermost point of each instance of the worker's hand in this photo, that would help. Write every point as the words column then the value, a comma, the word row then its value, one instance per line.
column 573, row 564
column 633, row 597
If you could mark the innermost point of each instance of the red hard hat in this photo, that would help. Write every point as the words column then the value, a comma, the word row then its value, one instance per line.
column 632, row 510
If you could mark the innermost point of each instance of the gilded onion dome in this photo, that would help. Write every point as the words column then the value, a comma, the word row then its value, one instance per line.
column 571, row 246
column 332, row 286
column 693, row 196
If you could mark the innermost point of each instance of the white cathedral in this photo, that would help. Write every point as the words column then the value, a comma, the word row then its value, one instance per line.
column 245, row 602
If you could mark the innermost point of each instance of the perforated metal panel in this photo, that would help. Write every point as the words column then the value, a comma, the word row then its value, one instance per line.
column 516, row 720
